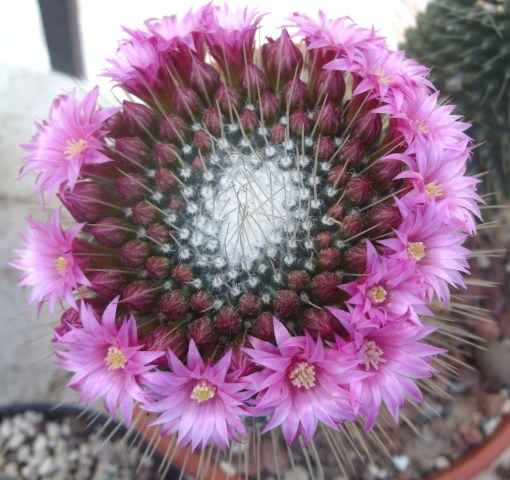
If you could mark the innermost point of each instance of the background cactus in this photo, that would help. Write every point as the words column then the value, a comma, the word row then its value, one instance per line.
column 467, row 45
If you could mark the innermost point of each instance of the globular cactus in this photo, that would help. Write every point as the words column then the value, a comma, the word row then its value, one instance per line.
column 467, row 44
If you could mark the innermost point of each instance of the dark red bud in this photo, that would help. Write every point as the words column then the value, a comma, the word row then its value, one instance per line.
column 278, row 133
column 197, row 164
column 165, row 180
column 330, row 85
column 227, row 320
column 212, row 121
column 144, row 213
column 241, row 361
column 338, row 176
column 350, row 226
column 204, row 78
column 89, row 202
column 383, row 218
column 295, row 94
column 336, row 212
column 108, row 283
column 249, row 120
column 321, row 322
column 132, row 152
column 70, row 318
column 116, row 126
column 270, row 106
column 323, row 239
column 135, row 253
column 111, row 232
column 201, row 301
column 367, row 127
column 325, row 287
column 185, row 102
column 351, row 153
column 139, row 296
column 253, row 81
column 300, row 123
column 327, row 119
column 298, row 280
column 202, row 332
column 174, row 128
column 355, row 259
column 174, row 305
column 202, row 141
column 263, row 327
column 359, row 190
column 175, row 204
column 329, row 258
column 166, row 154
column 382, row 173
column 131, row 187
column 158, row 267
column 228, row 99
column 282, row 59
column 249, row 304
column 158, row 233
column 164, row 338
column 182, row 273
column 140, row 119
column 325, row 148
column 286, row 302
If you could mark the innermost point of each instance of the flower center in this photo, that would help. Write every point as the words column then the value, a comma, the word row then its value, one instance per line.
column 434, row 189
column 383, row 78
column 203, row 391
column 303, row 375
column 60, row 264
column 377, row 294
column 74, row 147
column 422, row 126
column 416, row 250
column 372, row 356
column 115, row 359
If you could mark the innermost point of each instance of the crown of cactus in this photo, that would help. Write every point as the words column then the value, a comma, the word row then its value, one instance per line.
column 467, row 45
column 257, row 236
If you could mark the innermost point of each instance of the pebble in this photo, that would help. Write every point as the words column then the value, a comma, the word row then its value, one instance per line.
column 401, row 462
column 491, row 425
column 297, row 473
column 491, row 403
column 441, row 462
column 506, row 406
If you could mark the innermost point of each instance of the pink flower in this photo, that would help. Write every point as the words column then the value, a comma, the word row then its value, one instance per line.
column 302, row 382
column 47, row 262
column 394, row 355
column 107, row 360
column 433, row 245
column 389, row 289
column 70, row 139
column 199, row 401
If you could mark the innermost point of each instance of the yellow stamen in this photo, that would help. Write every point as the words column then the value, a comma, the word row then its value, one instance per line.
column 422, row 126
column 416, row 250
column 383, row 78
column 303, row 375
column 372, row 356
column 434, row 189
column 377, row 294
column 74, row 147
column 60, row 264
column 115, row 359
column 203, row 391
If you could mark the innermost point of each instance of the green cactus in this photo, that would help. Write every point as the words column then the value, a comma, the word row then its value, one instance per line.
column 467, row 45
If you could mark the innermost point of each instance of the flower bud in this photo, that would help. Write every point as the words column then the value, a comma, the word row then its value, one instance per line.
column 165, row 179
column 140, row 119
column 330, row 85
column 270, row 106
column 203, row 78
column 350, row 226
column 282, row 59
column 158, row 267
column 132, row 152
column 186, row 102
column 164, row 338
column 212, row 121
column 338, row 176
column 249, row 120
column 135, row 253
column 286, row 302
column 295, row 94
column 70, row 318
column 175, row 204
column 323, row 239
column 228, row 99
column 382, row 173
column 111, row 232
column 249, row 304
column 352, row 153
column 358, row 190
column 278, row 133
column 355, row 259
column 325, row 287
column 336, row 212
column 197, row 164
column 227, row 320
column 174, row 305
column 158, row 233
column 298, row 280
column 300, row 123
column 202, row 141
column 241, row 362
column 329, row 258
column 182, row 273
column 108, row 283
column 325, row 148
column 166, row 154
column 89, row 202
column 131, row 187
column 202, row 332
column 144, row 213
column 367, row 127
column 139, row 296
column 253, row 81
column 201, row 301
column 383, row 218
column 174, row 128
column 321, row 323
column 263, row 327
column 116, row 126
column 327, row 119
